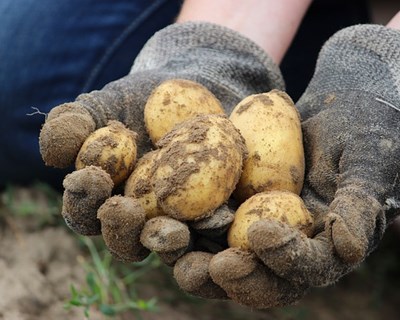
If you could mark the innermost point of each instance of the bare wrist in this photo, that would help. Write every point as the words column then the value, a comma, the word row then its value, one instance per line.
column 269, row 23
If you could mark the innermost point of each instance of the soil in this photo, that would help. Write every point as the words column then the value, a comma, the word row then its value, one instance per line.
column 39, row 260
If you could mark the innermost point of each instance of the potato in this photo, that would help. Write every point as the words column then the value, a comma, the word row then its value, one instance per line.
column 139, row 185
column 277, row 205
column 198, row 166
column 270, row 125
column 113, row 148
column 175, row 101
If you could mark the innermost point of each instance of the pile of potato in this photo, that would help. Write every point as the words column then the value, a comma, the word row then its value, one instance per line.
column 208, row 174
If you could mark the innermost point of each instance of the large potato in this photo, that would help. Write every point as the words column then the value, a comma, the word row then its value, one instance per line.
column 270, row 125
column 113, row 148
column 198, row 166
column 139, row 185
column 282, row 206
column 175, row 101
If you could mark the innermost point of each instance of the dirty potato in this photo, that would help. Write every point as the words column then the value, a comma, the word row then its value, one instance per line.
column 283, row 206
column 113, row 148
column 198, row 166
column 175, row 101
column 139, row 185
column 270, row 125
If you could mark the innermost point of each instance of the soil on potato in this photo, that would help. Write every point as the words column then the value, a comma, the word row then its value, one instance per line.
column 39, row 261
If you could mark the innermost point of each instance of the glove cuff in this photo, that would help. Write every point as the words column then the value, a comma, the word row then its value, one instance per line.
column 364, row 58
column 229, row 64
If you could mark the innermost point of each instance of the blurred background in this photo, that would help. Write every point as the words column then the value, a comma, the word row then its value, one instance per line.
column 47, row 272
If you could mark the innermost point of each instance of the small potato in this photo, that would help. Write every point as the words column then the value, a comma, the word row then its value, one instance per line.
column 139, row 185
column 282, row 206
column 270, row 125
column 113, row 148
column 198, row 166
column 175, row 101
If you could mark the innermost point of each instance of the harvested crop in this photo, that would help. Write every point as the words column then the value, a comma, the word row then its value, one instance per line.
column 270, row 124
column 139, row 185
column 175, row 101
column 113, row 148
column 283, row 206
column 198, row 166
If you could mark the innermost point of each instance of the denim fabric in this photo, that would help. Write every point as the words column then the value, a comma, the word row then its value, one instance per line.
column 51, row 51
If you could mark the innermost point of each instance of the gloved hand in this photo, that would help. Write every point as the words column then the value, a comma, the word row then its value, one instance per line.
column 228, row 64
column 351, row 117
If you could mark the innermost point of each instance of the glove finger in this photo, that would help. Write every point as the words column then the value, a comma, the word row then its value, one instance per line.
column 192, row 275
column 122, row 219
column 215, row 225
column 85, row 191
column 333, row 252
column 168, row 237
column 248, row 282
column 62, row 135
column 164, row 234
column 68, row 125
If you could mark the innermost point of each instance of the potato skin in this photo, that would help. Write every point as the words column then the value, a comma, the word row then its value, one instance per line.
column 113, row 148
column 270, row 125
column 198, row 166
column 175, row 101
column 139, row 185
column 277, row 205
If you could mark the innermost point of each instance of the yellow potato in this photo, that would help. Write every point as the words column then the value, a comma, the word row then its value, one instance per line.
column 113, row 148
column 139, row 185
column 282, row 206
column 175, row 101
column 198, row 166
column 270, row 125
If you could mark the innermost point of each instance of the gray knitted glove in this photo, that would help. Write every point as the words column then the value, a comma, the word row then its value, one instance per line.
column 229, row 65
column 351, row 113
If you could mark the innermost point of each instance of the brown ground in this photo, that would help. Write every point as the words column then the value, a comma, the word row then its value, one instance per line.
column 39, row 260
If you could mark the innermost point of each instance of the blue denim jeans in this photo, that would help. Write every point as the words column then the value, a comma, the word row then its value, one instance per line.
column 51, row 51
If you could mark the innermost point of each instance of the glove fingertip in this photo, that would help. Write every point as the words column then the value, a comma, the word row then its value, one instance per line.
column 248, row 282
column 192, row 275
column 122, row 219
column 349, row 248
column 85, row 191
column 63, row 134
column 266, row 234
column 164, row 234
column 231, row 264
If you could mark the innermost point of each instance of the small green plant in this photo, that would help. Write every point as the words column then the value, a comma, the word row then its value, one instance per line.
column 111, row 286
column 40, row 201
